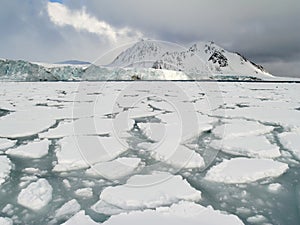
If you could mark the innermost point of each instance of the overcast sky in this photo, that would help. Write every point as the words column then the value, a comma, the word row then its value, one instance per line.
column 265, row 31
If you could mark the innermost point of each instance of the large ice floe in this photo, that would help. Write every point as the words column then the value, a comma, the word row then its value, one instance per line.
column 252, row 146
column 244, row 170
column 179, row 213
column 77, row 152
column 149, row 152
column 149, row 191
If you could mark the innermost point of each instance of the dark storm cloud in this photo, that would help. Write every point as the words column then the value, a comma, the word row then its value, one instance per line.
column 266, row 31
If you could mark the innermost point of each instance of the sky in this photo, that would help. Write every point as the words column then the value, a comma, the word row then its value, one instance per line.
column 265, row 31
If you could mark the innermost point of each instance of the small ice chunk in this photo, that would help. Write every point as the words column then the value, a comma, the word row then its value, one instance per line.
column 6, row 221
column 82, row 151
column 275, row 187
column 244, row 170
column 5, row 167
column 237, row 127
column 80, row 219
column 257, row 219
column 69, row 208
column 84, row 192
column 291, row 140
column 180, row 214
column 67, row 183
column 114, row 169
column 37, row 195
column 8, row 209
column 6, row 143
column 148, row 191
column 36, row 149
column 253, row 146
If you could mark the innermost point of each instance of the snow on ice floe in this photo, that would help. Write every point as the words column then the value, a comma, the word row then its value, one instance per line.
column 180, row 214
column 82, row 151
column 148, row 191
column 5, row 168
column 114, row 169
column 36, row 195
column 252, row 146
column 69, row 208
column 6, row 221
column 237, row 127
column 80, row 218
column 6, row 143
column 244, row 170
column 36, row 149
column 23, row 124
column 291, row 141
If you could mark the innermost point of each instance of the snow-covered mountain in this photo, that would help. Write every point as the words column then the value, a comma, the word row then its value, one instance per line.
column 145, row 60
column 199, row 60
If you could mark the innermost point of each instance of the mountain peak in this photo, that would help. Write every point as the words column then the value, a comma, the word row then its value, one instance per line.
column 198, row 58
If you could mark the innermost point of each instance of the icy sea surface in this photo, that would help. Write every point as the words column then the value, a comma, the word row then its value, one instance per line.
column 149, row 153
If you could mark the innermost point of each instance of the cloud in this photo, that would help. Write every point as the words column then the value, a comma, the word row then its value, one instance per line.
column 82, row 21
column 267, row 32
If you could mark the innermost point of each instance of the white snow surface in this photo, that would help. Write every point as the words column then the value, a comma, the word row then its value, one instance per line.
column 36, row 149
column 180, row 214
column 5, row 168
column 148, row 191
column 37, row 195
column 244, row 170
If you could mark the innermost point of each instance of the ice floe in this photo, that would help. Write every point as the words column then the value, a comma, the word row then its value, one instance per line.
column 180, row 214
column 21, row 124
column 36, row 149
column 6, row 143
column 253, row 146
column 148, row 191
column 37, row 195
column 291, row 141
column 244, row 170
column 236, row 128
column 78, row 152
column 84, row 192
column 69, row 208
column 114, row 169
column 6, row 221
column 5, row 168
column 80, row 219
